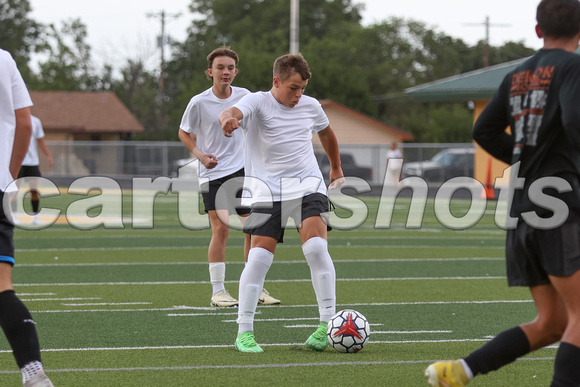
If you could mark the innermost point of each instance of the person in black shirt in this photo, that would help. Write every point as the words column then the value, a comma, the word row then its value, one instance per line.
column 540, row 102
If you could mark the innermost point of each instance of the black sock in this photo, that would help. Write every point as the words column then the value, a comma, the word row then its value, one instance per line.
column 566, row 370
column 503, row 349
column 18, row 326
column 35, row 205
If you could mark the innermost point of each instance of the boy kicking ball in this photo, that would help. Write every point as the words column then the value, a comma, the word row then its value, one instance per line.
column 284, row 180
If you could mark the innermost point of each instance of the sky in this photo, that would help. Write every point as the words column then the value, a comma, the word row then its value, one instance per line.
column 120, row 29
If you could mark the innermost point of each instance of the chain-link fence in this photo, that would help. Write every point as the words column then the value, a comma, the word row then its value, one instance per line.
column 124, row 160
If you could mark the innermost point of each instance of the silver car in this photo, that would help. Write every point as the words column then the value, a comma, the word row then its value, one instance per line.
column 445, row 165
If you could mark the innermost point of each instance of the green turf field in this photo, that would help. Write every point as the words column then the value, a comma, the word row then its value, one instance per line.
column 130, row 307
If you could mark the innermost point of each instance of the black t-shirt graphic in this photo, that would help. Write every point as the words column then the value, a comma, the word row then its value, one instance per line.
column 540, row 102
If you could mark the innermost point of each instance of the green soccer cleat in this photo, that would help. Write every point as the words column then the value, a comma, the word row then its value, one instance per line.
column 446, row 374
column 246, row 342
column 318, row 341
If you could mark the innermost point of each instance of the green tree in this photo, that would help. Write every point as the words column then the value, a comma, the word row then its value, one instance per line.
column 438, row 122
column 229, row 21
column 138, row 89
column 258, row 30
column 68, row 64
column 19, row 34
column 352, row 64
column 474, row 58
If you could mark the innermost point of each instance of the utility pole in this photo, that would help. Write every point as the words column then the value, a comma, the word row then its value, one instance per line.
column 162, row 40
column 294, row 25
column 487, row 24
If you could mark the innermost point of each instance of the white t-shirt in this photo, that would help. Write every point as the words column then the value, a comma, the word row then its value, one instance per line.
column 31, row 158
column 278, row 146
column 13, row 96
column 201, row 119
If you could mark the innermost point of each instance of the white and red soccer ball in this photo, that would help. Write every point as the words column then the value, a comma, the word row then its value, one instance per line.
column 348, row 331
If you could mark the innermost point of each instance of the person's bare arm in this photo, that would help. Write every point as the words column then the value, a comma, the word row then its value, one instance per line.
column 230, row 120
column 44, row 149
column 22, row 135
column 189, row 140
column 330, row 145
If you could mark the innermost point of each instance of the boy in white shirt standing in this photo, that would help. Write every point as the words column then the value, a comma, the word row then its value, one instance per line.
column 284, row 180
column 30, row 164
column 15, row 131
column 220, row 159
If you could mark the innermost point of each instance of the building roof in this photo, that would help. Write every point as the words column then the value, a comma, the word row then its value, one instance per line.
column 352, row 127
column 83, row 112
column 474, row 85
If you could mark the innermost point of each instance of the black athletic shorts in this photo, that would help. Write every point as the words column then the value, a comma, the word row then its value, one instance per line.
column 210, row 191
column 266, row 219
column 6, row 236
column 29, row 170
column 533, row 254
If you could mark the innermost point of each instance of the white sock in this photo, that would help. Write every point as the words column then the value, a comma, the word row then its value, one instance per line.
column 468, row 371
column 217, row 276
column 251, row 283
column 323, row 276
column 30, row 369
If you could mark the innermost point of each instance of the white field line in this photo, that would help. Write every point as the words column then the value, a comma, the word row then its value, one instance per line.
column 213, row 346
column 277, row 281
column 405, row 332
column 237, row 247
column 191, row 236
column 202, row 314
column 59, row 299
column 109, row 304
column 290, row 319
column 254, row 366
column 36, row 294
column 179, row 308
column 301, row 261
column 301, row 325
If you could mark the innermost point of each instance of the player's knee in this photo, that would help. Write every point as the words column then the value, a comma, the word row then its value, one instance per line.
column 220, row 231
column 315, row 244
column 550, row 328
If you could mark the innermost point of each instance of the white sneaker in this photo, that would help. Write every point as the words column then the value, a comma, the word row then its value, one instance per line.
column 224, row 299
column 36, row 221
column 39, row 380
column 267, row 299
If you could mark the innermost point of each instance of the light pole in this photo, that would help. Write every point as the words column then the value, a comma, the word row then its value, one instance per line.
column 294, row 25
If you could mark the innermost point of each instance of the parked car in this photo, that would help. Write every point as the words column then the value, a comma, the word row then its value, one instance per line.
column 445, row 165
column 349, row 166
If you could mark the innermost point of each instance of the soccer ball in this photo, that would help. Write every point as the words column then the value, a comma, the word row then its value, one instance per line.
column 348, row 331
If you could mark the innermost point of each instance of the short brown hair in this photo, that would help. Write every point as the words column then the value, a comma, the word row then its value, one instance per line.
column 221, row 51
column 559, row 18
column 290, row 64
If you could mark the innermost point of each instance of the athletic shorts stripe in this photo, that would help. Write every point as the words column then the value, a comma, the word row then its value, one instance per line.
column 6, row 236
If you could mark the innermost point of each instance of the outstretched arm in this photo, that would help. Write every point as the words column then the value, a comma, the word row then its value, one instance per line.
column 330, row 145
column 230, row 120
column 189, row 140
